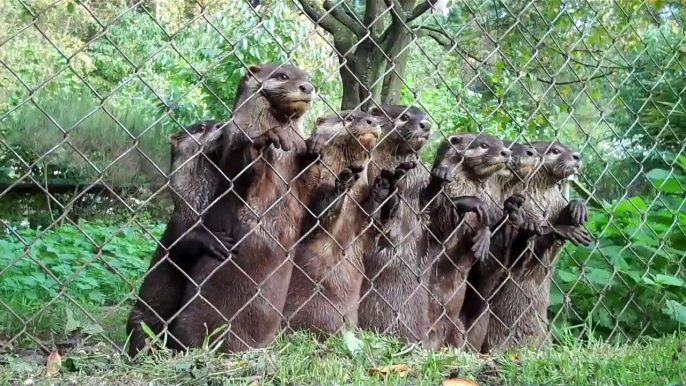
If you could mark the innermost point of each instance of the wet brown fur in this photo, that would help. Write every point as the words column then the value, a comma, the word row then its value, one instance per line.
column 265, row 239
column 473, row 160
column 330, row 256
column 392, row 298
column 519, row 307
column 193, row 179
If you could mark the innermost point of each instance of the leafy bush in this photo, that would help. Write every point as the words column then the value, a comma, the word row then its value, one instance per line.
column 631, row 282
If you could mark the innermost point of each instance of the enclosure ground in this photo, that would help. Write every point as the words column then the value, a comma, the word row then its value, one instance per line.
column 300, row 360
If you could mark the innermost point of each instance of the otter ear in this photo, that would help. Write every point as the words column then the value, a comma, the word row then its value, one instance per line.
column 172, row 139
column 455, row 140
column 319, row 121
column 254, row 70
column 373, row 110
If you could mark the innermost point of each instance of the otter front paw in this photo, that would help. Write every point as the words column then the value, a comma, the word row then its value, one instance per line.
column 573, row 234
column 513, row 209
column 347, row 178
column 472, row 204
column 216, row 249
column 441, row 174
column 275, row 136
column 315, row 144
column 481, row 243
column 530, row 229
column 578, row 212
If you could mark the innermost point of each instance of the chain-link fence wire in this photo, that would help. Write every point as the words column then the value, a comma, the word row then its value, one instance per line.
column 524, row 60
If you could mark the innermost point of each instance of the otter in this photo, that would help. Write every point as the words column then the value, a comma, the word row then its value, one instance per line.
column 464, row 170
column 392, row 300
column 262, row 155
column 193, row 179
column 325, row 286
column 519, row 307
column 486, row 275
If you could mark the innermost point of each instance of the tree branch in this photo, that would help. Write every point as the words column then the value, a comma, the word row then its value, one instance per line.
column 439, row 36
column 343, row 18
column 419, row 11
column 326, row 21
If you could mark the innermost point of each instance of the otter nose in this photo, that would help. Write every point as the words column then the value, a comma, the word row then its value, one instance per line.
column 306, row 88
column 505, row 152
column 576, row 157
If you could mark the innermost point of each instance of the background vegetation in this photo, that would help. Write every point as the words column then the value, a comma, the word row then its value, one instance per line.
column 90, row 91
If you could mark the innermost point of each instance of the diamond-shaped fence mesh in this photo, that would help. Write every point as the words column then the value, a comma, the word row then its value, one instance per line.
column 481, row 175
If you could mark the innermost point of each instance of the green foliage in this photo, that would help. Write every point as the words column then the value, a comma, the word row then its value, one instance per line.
column 631, row 282
column 94, row 264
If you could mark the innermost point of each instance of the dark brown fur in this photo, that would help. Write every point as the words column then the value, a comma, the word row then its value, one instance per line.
column 485, row 276
column 470, row 161
column 193, row 180
column 519, row 307
column 330, row 255
column 392, row 298
column 249, row 290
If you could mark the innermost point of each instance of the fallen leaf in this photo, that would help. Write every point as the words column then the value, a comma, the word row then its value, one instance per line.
column 514, row 357
column 401, row 370
column 352, row 343
column 54, row 364
column 459, row 382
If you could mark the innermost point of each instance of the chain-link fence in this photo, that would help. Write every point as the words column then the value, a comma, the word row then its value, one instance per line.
column 457, row 173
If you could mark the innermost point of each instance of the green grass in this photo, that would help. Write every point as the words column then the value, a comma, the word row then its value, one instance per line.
column 87, row 314
column 300, row 360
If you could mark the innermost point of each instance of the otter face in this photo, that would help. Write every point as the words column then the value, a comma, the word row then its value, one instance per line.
column 559, row 161
column 409, row 127
column 287, row 88
column 364, row 127
column 205, row 133
column 524, row 159
column 485, row 155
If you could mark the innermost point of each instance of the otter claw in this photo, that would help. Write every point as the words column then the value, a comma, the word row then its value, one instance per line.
column 578, row 212
column 472, row 204
column 441, row 173
column 274, row 137
column 573, row 234
column 481, row 243
column 217, row 251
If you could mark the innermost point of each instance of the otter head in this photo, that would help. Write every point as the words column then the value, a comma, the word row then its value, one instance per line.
column 406, row 127
column 524, row 160
column 482, row 154
column 285, row 88
column 559, row 161
column 207, row 134
column 350, row 128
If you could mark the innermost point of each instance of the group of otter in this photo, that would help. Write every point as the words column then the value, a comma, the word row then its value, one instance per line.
column 347, row 229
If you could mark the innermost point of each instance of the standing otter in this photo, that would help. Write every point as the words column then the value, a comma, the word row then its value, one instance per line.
column 193, row 178
column 260, row 210
column 486, row 275
column 392, row 300
column 522, row 300
column 464, row 169
column 325, row 286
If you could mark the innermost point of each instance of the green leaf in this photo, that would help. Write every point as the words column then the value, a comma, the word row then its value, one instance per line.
column 72, row 324
column 71, row 7
column 668, row 280
column 567, row 277
column 352, row 343
column 93, row 329
column 598, row 276
column 676, row 311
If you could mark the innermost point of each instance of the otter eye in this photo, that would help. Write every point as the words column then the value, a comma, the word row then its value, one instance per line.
column 404, row 118
column 483, row 145
column 282, row 76
column 555, row 151
column 349, row 118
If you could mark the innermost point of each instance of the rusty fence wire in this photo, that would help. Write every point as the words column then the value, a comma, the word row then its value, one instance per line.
column 457, row 173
